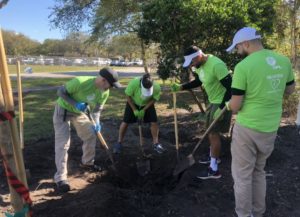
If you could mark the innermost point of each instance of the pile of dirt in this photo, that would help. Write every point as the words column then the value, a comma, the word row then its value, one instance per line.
column 125, row 193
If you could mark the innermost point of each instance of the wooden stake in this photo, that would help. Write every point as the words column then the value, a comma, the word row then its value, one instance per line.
column 7, row 152
column 9, row 106
column 20, row 100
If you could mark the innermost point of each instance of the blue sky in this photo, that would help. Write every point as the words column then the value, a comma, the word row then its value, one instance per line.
column 29, row 17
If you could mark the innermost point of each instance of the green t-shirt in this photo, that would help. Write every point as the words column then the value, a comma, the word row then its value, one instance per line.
column 83, row 89
column 210, row 75
column 263, row 75
column 134, row 91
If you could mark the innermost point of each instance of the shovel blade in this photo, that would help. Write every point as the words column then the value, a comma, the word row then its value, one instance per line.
column 143, row 167
column 184, row 164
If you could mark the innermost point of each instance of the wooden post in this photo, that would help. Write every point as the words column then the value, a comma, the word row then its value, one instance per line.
column 9, row 106
column 20, row 96
column 7, row 152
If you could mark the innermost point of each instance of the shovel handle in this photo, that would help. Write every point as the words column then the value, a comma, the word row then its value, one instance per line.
column 140, row 133
column 175, row 122
column 209, row 128
column 99, row 135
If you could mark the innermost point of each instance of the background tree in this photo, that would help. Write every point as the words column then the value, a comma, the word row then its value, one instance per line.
column 17, row 44
column 210, row 24
column 105, row 17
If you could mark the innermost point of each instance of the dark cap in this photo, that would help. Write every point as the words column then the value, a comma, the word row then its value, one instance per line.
column 147, row 82
column 111, row 76
column 147, row 85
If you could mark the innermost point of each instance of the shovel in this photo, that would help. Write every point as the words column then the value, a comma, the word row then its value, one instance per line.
column 100, row 137
column 190, row 160
column 143, row 163
column 175, row 123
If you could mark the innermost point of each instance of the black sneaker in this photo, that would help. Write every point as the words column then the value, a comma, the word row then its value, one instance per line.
column 206, row 160
column 91, row 168
column 63, row 186
column 210, row 174
column 117, row 148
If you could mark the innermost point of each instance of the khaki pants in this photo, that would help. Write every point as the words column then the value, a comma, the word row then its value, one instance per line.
column 250, row 150
column 62, row 140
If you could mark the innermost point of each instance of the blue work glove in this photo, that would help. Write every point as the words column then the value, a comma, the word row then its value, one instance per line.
column 97, row 128
column 81, row 106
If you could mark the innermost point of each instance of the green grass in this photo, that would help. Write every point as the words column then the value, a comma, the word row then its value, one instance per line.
column 40, row 82
column 39, row 106
column 40, row 68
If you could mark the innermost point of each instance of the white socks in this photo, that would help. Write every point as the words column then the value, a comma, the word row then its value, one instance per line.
column 213, row 164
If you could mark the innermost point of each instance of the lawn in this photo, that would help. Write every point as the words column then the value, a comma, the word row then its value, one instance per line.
column 38, row 106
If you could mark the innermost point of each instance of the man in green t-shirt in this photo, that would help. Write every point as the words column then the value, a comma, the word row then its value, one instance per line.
column 72, row 102
column 141, row 93
column 212, row 74
column 259, row 82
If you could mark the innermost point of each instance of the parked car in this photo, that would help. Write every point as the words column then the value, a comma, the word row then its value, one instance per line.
column 137, row 62
column 49, row 61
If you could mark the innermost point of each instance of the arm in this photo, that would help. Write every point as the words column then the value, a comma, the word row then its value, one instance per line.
column 236, row 101
column 290, row 87
column 97, row 112
column 62, row 92
column 193, row 84
column 226, row 82
column 130, row 102
column 150, row 103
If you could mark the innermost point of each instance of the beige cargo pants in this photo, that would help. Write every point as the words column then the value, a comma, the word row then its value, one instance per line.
column 250, row 150
column 62, row 140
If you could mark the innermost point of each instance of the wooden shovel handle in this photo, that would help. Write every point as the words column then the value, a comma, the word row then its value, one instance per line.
column 99, row 135
column 176, row 125
column 209, row 128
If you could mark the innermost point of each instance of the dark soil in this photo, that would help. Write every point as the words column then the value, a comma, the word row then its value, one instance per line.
column 125, row 193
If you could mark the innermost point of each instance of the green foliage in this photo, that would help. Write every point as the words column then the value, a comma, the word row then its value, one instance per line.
column 19, row 44
column 126, row 45
column 177, row 24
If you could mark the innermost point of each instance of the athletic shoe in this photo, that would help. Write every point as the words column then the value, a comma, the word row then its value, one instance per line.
column 117, row 148
column 205, row 159
column 210, row 174
column 91, row 168
column 63, row 186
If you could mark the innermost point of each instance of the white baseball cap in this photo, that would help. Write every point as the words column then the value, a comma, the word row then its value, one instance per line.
column 190, row 54
column 244, row 34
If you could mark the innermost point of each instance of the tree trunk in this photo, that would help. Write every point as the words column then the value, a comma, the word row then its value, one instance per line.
column 144, row 56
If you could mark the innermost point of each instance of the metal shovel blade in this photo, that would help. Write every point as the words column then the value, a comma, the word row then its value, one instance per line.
column 184, row 164
column 143, row 167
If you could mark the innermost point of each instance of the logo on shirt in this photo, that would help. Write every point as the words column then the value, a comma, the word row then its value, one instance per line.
column 275, row 82
column 272, row 62
column 91, row 97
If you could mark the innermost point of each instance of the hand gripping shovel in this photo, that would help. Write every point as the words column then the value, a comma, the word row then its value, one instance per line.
column 143, row 164
column 100, row 137
column 190, row 160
